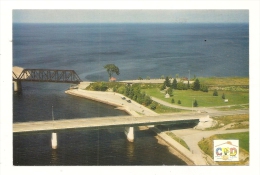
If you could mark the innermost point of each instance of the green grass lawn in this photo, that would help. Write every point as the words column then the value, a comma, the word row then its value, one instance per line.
column 224, row 81
column 243, row 138
column 204, row 99
column 164, row 109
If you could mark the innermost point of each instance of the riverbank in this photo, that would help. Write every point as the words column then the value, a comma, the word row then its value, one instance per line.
column 137, row 110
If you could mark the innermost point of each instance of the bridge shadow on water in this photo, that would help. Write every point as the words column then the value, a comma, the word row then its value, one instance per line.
column 93, row 147
column 177, row 126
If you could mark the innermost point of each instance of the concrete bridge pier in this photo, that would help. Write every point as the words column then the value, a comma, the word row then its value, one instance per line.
column 54, row 143
column 129, row 132
column 17, row 86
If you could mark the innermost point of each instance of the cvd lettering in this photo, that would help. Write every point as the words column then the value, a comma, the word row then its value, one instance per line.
column 233, row 151
column 218, row 151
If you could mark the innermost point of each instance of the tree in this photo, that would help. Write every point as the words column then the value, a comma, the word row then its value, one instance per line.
column 215, row 93
column 179, row 101
column 195, row 104
column 111, row 68
column 223, row 96
column 147, row 100
column 167, row 82
column 172, row 100
column 174, row 84
column 169, row 91
column 196, row 85
column 153, row 105
column 162, row 87
column 204, row 88
column 181, row 86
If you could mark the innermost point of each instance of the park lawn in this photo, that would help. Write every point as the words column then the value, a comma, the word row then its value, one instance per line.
column 224, row 81
column 204, row 99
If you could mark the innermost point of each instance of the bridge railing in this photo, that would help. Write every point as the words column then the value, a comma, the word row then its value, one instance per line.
column 48, row 75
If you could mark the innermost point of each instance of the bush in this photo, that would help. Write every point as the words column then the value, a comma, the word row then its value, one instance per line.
column 179, row 101
column 195, row 104
column 223, row 96
column 203, row 88
column 169, row 91
column 215, row 93
column 153, row 105
column 172, row 100
column 147, row 100
column 162, row 87
column 196, row 85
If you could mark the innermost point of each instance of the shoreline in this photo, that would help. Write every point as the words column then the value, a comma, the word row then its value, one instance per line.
column 102, row 97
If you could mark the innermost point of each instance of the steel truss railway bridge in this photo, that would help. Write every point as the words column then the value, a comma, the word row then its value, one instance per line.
column 43, row 75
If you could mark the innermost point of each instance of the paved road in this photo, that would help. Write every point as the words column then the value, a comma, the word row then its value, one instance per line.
column 101, row 122
column 114, row 99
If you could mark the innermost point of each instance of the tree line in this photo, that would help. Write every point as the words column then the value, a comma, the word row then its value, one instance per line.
column 196, row 86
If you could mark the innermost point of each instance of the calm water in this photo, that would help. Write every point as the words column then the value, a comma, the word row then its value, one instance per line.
column 139, row 51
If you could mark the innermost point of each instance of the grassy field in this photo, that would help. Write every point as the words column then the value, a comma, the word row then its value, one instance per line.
column 207, row 145
column 179, row 140
column 236, row 121
column 164, row 109
column 204, row 99
column 224, row 81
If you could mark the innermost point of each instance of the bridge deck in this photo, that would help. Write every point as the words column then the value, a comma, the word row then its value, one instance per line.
column 103, row 122
column 107, row 122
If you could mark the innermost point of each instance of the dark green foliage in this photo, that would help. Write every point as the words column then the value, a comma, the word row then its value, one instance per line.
column 99, row 86
column 179, row 101
column 134, row 92
column 103, row 87
column 153, row 105
column 167, row 82
column 169, row 91
column 111, row 68
column 195, row 104
column 223, row 96
column 147, row 100
column 174, row 83
column 204, row 88
column 215, row 93
column 196, row 85
column 162, row 87
column 182, row 86
column 173, row 101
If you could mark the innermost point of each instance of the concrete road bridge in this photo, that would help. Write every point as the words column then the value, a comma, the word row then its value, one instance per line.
column 43, row 75
column 128, row 122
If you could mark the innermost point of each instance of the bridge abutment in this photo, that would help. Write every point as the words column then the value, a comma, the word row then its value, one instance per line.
column 17, row 86
column 129, row 132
